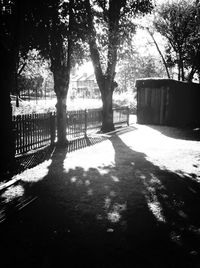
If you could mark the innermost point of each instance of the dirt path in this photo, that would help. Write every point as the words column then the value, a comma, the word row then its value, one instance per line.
column 131, row 200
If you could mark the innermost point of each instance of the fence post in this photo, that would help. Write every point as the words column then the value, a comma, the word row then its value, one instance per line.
column 85, row 122
column 52, row 128
column 128, row 112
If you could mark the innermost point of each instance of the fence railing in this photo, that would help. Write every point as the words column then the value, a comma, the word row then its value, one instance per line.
column 80, row 122
column 33, row 131
column 121, row 115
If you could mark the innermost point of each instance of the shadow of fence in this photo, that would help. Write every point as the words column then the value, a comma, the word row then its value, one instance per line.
column 32, row 159
column 84, row 142
column 36, row 157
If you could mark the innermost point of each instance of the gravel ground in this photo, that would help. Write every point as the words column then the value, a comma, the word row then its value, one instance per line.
column 127, row 199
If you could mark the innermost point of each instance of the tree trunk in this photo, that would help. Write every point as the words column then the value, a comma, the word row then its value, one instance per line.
column 179, row 72
column 9, row 57
column 61, row 121
column 61, row 56
column 107, row 112
column 105, row 80
column 61, row 85
column 182, row 70
column 7, row 141
column 159, row 51
column 191, row 74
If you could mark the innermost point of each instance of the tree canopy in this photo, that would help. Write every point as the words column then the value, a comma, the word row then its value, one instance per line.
column 179, row 23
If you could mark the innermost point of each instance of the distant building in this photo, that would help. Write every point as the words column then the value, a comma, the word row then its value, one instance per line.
column 84, row 86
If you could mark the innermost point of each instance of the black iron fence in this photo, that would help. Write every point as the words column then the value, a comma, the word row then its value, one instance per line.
column 34, row 131
column 80, row 122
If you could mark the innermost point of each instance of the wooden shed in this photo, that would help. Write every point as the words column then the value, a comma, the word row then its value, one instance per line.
column 168, row 102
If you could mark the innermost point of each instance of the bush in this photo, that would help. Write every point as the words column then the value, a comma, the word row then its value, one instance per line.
column 125, row 99
column 29, row 107
column 45, row 106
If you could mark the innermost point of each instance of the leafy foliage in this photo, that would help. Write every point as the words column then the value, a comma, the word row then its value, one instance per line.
column 179, row 23
column 111, row 25
column 137, row 66
column 52, row 27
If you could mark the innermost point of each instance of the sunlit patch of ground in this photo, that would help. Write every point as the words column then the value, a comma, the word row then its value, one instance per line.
column 100, row 158
column 12, row 193
column 175, row 154
column 34, row 174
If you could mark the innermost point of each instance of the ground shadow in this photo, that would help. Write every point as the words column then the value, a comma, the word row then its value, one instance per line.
column 186, row 133
column 126, row 214
column 34, row 158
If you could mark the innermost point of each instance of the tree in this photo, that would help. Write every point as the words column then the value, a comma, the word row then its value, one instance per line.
column 159, row 51
column 109, row 23
column 31, row 76
column 137, row 66
column 193, row 45
column 146, row 24
column 12, row 15
column 178, row 22
column 49, row 26
column 56, row 34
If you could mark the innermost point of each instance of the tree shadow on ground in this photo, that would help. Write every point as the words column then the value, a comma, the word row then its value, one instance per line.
column 186, row 133
column 127, row 214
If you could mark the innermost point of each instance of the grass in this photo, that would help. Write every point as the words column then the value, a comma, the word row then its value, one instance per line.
column 45, row 106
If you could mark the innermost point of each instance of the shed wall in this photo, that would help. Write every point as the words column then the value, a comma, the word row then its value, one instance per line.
column 167, row 102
